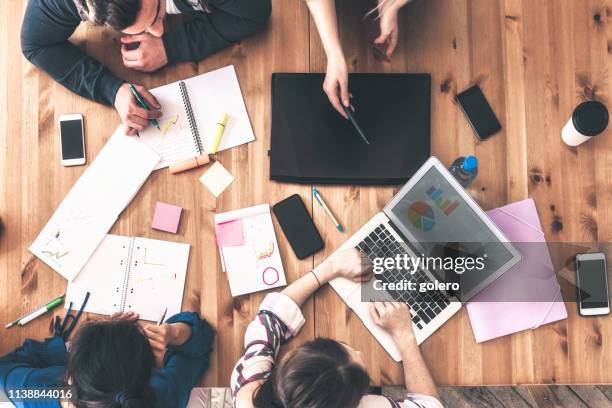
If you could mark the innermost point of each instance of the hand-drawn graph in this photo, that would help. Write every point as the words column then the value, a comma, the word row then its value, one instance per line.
column 55, row 248
column 168, row 124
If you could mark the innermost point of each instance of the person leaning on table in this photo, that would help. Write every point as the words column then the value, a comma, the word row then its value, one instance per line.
column 323, row 373
column 146, row 45
column 113, row 363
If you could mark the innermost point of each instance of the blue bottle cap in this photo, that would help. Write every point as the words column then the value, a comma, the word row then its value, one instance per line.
column 470, row 163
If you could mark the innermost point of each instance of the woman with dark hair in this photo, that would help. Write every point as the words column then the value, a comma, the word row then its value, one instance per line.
column 112, row 364
column 323, row 373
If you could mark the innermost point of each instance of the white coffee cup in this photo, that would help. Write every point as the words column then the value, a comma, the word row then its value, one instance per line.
column 589, row 119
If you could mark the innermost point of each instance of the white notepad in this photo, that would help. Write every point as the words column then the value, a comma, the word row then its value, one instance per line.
column 94, row 203
column 249, row 250
column 132, row 274
column 191, row 109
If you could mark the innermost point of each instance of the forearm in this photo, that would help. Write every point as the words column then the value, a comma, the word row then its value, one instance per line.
column 300, row 290
column 324, row 14
column 417, row 377
column 181, row 333
column 47, row 25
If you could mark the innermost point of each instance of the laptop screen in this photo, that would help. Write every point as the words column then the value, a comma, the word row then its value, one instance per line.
column 441, row 223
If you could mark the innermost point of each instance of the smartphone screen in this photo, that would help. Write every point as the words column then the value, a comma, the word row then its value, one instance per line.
column 71, row 132
column 298, row 226
column 593, row 285
column 479, row 112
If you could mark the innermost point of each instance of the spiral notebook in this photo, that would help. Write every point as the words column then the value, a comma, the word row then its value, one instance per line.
column 125, row 274
column 190, row 110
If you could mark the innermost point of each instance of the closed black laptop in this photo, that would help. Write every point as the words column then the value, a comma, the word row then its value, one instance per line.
column 312, row 143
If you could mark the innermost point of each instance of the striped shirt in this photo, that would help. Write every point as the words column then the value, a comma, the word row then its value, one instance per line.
column 278, row 320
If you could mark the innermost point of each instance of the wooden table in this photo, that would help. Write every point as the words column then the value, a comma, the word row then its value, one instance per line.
column 535, row 60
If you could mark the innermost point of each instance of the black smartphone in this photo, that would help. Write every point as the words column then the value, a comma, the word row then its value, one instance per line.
column 298, row 226
column 478, row 112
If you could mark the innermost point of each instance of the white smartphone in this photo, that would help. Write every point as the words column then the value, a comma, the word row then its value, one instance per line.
column 592, row 283
column 72, row 140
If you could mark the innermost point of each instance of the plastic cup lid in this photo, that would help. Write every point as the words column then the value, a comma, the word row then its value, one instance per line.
column 590, row 118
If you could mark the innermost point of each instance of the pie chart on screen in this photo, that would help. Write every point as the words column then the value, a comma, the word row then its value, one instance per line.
column 421, row 216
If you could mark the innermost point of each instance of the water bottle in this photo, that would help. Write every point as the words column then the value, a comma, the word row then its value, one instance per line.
column 465, row 170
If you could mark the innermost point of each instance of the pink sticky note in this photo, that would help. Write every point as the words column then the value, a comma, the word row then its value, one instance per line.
column 167, row 217
column 229, row 233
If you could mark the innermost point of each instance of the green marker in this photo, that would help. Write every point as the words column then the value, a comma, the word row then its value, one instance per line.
column 143, row 104
column 23, row 320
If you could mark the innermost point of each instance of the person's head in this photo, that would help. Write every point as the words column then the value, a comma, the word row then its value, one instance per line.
column 110, row 366
column 127, row 16
column 320, row 374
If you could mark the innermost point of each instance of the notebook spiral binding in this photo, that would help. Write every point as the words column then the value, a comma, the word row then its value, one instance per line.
column 126, row 276
column 192, row 122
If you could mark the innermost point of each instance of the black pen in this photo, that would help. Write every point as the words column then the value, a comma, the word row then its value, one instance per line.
column 351, row 117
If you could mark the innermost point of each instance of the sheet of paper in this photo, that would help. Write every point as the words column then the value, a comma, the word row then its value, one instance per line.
column 102, row 276
column 173, row 141
column 94, row 203
column 157, row 278
column 218, row 92
column 229, row 233
column 217, row 179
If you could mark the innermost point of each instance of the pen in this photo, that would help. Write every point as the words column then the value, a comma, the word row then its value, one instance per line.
column 163, row 317
column 349, row 113
column 319, row 199
column 143, row 104
column 25, row 319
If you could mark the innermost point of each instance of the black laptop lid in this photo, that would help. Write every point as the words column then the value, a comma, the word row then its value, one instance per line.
column 312, row 143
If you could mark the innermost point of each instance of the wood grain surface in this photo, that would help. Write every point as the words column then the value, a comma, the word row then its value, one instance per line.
column 535, row 61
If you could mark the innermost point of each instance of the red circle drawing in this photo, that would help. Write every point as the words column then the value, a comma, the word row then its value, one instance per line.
column 268, row 281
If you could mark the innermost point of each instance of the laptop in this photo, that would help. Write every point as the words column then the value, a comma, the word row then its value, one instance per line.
column 431, row 214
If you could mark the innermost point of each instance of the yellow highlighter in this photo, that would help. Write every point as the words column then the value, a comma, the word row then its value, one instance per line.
column 219, row 129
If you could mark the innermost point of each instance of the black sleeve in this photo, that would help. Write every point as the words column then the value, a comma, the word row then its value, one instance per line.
column 228, row 22
column 47, row 25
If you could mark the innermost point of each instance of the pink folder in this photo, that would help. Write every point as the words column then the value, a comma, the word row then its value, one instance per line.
column 491, row 316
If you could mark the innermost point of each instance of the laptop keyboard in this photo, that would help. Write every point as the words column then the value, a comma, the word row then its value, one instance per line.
column 424, row 307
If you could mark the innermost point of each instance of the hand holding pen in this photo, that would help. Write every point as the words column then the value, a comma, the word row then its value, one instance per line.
column 137, row 107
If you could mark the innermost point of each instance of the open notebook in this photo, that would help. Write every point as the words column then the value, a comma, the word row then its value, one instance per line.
column 94, row 203
column 132, row 274
column 191, row 109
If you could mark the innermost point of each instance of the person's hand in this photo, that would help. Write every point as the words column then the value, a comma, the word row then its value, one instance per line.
column 129, row 316
column 350, row 264
column 389, row 29
column 159, row 337
column 143, row 52
column 395, row 318
column 336, row 84
column 134, row 117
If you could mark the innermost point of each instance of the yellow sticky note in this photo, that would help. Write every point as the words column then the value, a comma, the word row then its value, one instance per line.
column 217, row 179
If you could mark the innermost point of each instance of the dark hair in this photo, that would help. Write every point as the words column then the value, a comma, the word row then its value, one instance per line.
column 118, row 14
column 319, row 374
column 110, row 366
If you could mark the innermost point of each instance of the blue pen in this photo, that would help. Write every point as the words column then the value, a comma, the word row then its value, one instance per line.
column 319, row 199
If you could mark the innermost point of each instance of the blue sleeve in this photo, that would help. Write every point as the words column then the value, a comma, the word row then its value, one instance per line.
column 35, row 364
column 185, row 364
column 47, row 25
